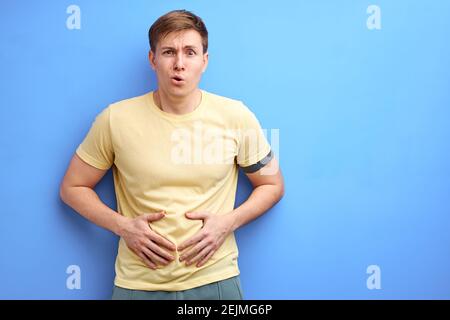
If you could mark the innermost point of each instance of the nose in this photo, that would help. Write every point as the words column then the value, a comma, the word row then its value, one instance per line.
column 179, row 63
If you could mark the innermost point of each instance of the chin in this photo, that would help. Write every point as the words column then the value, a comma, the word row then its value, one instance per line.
column 180, row 92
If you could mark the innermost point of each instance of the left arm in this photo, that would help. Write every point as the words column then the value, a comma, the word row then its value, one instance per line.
column 268, row 189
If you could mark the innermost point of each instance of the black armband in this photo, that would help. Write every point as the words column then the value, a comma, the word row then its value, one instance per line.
column 261, row 163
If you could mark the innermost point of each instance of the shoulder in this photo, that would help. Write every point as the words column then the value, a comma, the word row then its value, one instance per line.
column 226, row 106
column 220, row 100
column 129, row 108
column 129, row 103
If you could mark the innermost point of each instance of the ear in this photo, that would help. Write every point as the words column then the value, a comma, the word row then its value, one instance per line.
column 151, row 58
column 205, row 61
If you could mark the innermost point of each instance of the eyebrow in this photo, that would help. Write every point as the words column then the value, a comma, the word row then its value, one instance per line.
column 185, row 47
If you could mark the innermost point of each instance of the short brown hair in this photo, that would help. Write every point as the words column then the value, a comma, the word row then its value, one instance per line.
column 173, row 21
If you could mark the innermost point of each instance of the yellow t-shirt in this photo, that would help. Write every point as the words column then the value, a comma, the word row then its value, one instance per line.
column 176, row 163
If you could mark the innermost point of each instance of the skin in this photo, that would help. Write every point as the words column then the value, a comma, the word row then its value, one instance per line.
column 178, row 54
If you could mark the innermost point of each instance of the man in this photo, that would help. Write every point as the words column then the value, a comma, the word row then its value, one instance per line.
column 175, row 154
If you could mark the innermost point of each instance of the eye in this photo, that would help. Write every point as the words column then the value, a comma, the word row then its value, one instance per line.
column 168, row 52
column 191, row 52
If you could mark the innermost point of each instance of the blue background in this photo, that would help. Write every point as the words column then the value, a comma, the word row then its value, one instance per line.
column 364, row 139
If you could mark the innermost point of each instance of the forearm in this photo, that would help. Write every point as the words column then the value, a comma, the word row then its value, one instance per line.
column 86, row 202
column 260, row 200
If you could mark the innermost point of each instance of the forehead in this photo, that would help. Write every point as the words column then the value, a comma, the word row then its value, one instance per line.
column 181, row 39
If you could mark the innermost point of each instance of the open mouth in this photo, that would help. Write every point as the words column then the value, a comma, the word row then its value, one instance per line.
column 178, row 81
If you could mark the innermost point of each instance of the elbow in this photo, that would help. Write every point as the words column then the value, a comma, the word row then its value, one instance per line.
column 63, row 192
column 282, row 191
column 279, row 194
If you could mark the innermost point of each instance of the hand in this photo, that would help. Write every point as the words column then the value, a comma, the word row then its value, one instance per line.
column 146, row 243
column 209, row 239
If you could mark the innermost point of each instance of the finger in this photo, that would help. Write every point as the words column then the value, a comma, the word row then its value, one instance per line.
column 205, row 259
column 157, row 250
column 150, row 217
column 199, row 255
column 154, row 257
column 147, row 261
column 162, row 241
column 199, row 236
column 197, row 215
column 193, row 251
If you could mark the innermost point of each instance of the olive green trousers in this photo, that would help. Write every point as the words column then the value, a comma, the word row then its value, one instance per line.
column 228, row 289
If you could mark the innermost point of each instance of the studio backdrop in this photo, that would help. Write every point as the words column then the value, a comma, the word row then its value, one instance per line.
column 353, row 94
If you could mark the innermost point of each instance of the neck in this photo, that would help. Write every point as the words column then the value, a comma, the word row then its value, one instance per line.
column 177, row 105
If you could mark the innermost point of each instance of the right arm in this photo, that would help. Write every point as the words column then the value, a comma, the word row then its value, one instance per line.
column 77, row 191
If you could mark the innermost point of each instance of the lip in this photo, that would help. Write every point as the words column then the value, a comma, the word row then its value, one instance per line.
column 177, row 80
column 177, row 76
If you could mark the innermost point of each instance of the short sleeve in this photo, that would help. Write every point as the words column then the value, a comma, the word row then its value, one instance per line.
column 97, row 148
column 254, row 150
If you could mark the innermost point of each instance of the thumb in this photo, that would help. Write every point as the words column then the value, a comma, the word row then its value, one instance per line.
column 154, row 216
column 197, row 215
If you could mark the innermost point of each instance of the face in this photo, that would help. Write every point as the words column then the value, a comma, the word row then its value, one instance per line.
column 179, row 62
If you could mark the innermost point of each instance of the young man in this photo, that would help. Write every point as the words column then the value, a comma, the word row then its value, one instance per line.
column 175, row 154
